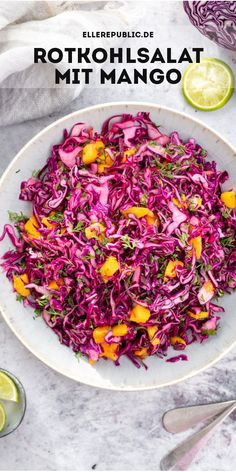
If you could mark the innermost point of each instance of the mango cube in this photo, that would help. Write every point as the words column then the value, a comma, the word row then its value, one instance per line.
column 139, row 314
column 19, row 282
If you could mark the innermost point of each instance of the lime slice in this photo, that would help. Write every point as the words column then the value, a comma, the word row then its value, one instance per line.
column 8, row 390
column 208, row 85
column 2, row 417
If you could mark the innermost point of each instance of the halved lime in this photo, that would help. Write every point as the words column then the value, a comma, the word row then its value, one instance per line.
column 208, row 85
column 8, row 390
column 2, row 417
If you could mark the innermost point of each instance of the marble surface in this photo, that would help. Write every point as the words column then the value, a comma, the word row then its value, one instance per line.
column 70, row 426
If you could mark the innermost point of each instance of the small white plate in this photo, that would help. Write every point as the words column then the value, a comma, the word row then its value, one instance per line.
column 34, row 333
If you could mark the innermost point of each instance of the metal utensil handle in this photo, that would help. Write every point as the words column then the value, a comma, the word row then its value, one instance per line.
column 182, row 456
column 183, row 418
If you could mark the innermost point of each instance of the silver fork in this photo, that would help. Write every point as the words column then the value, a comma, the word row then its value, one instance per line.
column 180, row 419
column 182, row 456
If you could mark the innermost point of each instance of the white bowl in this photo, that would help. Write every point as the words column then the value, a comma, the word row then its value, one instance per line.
column 34, row 333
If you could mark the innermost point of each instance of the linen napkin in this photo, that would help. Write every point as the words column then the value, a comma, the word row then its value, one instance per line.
column 27, row 90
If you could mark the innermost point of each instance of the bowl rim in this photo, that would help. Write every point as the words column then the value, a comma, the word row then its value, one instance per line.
column 141, row 104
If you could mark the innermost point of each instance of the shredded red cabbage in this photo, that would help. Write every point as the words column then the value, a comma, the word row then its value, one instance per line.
column 131, row 238
column 215, row 19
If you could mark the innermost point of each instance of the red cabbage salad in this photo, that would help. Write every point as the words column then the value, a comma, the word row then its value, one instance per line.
column 130, row 243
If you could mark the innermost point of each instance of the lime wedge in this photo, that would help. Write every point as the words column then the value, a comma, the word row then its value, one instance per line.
column 8, row 390
column 208, row 85
column 2, row 417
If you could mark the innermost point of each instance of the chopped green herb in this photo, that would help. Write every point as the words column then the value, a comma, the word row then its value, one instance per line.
column 88, row 257
column 169, row 175
column 197, row 280
column 127, row 243
column 137, row 328
column 152, row 143
column 80, row 280
column 163, row 262
column 19, row 298
column 87, row 289
column 43, row 301
column 38, row 312
column 143, row 199
column 40, row 265
column 175, row 255
column 78, row 355
column 227, row 241
column 187, row 162
column 79, row 226
column 105, row 240
column 210, row 332
column 58, row 216
column 35, row 173
column 17, row 217
column 70, row 301
column 208, row 266
column 169, row 166
column 180, row 148
column 128, row 279
column 200, row 265
column 225, row 214
column 183, row 237
column 55, row 313
column 169, row 149
column 152, row 257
